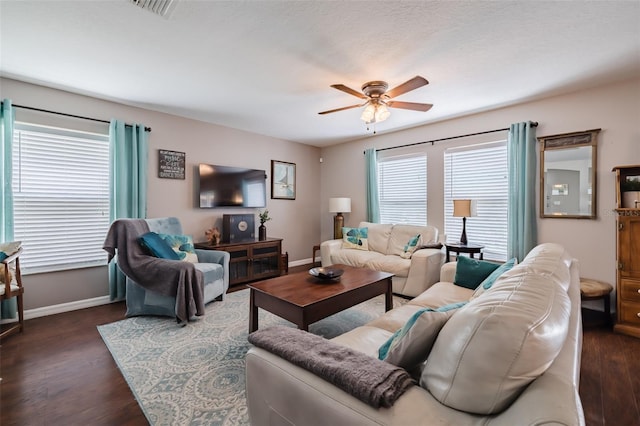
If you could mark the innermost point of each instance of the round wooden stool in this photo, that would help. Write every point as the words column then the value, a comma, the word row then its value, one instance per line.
column 594, row 290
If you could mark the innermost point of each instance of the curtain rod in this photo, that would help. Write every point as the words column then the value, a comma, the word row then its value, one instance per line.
column 146, row 129
column 533, row 124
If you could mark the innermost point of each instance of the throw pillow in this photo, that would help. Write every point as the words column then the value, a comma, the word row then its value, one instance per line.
column 488, row 282
column 409, row 347
column 355, row 238
column 471, row 272
column 410, row 247
column 182, row 245
column 7, row 249
column 157, row 246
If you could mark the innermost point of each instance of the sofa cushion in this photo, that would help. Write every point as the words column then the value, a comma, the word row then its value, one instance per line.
column 355, row 238
column 157, row 246
column 394, row 319
column 392, row 264
column 400, row 234
column 471, row 272
column 378, row 235
column 497, row 344
column 410, row 345
column 358, row 258
column 441, row 294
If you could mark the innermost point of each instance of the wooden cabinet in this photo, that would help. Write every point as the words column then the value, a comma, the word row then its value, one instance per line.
column 628, row 255
column 251, row 260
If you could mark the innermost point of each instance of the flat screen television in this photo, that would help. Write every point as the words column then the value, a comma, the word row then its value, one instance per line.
column 223, row 186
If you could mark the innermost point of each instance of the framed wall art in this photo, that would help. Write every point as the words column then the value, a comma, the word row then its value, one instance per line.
column 170, row 164
column 283, row 180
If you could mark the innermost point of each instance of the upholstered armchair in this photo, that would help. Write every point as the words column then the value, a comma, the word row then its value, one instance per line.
column 213, row 264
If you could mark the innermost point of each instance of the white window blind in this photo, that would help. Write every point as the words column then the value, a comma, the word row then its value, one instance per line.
column 402, row 187
column 61, row 197
column 480, row 173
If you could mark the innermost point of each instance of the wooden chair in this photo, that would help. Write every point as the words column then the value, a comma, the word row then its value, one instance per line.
column 12, row 287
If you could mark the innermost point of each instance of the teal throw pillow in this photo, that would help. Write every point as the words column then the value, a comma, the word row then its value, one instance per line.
column 471, row 272
column 488, row 282
column 182, row 245
column 411, row 345
column 355, row 238
column 157, row 246
column 410, row 247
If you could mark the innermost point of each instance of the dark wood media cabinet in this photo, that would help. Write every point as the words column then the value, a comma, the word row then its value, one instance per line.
column 251, row 260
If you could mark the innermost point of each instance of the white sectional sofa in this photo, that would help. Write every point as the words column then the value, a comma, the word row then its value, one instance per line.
column 510, row 356
column 386, row 244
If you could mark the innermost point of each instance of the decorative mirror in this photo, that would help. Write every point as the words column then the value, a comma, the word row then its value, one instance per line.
column 568, row 175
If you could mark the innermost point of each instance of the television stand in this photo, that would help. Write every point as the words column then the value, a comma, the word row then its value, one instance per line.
column 251, row 260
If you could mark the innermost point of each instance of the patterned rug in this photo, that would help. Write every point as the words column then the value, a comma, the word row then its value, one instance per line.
column 194, row 375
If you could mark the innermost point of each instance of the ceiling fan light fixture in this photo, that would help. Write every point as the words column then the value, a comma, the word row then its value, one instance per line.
column 382, row 112
column 369, row 114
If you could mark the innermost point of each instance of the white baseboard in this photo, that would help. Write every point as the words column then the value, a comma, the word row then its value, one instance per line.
column 66, row 307
column 300, row 262
column 96, row 301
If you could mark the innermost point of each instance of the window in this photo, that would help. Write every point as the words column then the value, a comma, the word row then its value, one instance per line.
column 61, row 197
column 402, row 188
column 479, row 172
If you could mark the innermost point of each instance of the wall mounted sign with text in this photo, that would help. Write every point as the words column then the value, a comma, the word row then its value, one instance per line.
column 170, row 164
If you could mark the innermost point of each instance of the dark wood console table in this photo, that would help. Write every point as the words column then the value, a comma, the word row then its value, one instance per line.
column 251, row 260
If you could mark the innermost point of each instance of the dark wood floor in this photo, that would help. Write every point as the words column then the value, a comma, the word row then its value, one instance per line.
column 59, row 372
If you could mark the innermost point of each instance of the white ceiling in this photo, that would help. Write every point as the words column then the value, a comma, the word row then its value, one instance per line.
column 266, row 66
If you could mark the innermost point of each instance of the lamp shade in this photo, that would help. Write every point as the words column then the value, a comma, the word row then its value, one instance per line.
column 464, row 208
column 340, row 205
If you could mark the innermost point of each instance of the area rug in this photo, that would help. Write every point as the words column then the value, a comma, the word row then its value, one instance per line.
column 194, row 375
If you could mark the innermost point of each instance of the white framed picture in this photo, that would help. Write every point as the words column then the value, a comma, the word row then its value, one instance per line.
column 283, row 180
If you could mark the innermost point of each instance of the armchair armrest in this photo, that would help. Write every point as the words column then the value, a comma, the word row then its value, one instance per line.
column 216, row 256
column 326, row 248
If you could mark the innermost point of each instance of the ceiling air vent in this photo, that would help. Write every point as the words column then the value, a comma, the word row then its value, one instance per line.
column 159, row 7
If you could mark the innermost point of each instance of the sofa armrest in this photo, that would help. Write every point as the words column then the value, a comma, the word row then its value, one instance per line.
column 448, row 272
column 424, row 271
column 326, row 248
column 216, row 256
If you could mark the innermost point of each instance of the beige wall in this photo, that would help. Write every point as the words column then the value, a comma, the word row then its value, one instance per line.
column 297, row 221
column 614, row 108
column 306, row 221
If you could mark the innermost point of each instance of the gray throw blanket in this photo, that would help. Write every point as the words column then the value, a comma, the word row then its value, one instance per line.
column 372, row 381
column 173, row 278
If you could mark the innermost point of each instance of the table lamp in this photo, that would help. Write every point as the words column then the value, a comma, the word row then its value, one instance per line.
column 464, row 209
column 339, row 206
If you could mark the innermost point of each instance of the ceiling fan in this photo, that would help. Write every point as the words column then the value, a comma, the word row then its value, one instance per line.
column 377, row 98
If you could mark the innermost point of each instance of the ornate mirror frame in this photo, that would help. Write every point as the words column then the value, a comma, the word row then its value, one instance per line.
column 568, row 175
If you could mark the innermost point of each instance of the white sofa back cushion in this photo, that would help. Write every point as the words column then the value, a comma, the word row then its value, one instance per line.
column 391, row 239
column 378, row 236
column 497, row 344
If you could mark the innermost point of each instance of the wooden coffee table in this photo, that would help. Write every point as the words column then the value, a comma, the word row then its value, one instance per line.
column 304, row 299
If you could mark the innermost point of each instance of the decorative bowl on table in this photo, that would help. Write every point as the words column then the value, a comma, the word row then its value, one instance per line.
column 327, row 274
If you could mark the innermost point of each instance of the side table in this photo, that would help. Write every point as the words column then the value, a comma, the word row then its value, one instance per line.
column 470, row 249
column 594, row 290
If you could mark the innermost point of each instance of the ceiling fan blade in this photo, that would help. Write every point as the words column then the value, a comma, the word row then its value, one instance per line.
column 341, row 109
column 410, row 105
column 349, row 90
column 407, row 86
